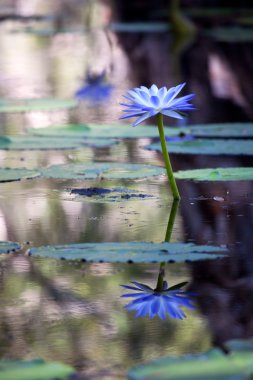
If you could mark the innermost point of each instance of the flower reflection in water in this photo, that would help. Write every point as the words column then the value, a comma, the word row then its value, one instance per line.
column 161, row 302
column 95, row 89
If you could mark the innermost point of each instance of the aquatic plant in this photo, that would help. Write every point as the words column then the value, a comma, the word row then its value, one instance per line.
column 148, row 102
column 158, row 302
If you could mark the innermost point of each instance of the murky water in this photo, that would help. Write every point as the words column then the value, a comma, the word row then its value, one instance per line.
column 72, row 312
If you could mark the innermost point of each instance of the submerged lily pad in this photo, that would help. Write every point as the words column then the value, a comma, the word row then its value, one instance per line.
column 36, row 369
column 9, row 246
column 24, row 142
column 117, row 194
column 102, row 170
column 28, row 105
column 138, row 252
column 9, row 175
column 228, row 130
column 213, row 365
column 106, row 131
column 218, row 174
column 208, row 146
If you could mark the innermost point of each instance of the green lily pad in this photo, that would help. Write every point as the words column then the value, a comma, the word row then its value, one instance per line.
column 105, row 131
column 36, row 369
column 105, row 195
column 137, row 27
column 213, row 365
column 138, row 252
column 218, row 174
column 9, row 246
column 28, row 105
column 24, row 142
column 208, row 146
column 228, row 130
column 231, row 34
column 9, row 175
column 102, row 170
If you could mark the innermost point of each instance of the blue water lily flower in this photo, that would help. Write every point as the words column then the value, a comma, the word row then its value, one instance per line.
column 151, row 302
column 95, row 89
column 147, row 102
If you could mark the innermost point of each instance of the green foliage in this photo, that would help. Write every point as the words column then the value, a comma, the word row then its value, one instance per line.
column 212, row 365
column 217, row 174
column 138, row 252
column 208, row 146
column 231, row 34
column 138, row 27
column 29, row 142
column 9, row 175
column 224, row 130
column 102, row 170
column 9, row 246
column 35, row 369
column 105, row 131
column 28, row 105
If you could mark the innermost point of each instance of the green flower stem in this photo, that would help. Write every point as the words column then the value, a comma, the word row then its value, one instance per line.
column 172, row 218
column 159, row 285
column 166, row 157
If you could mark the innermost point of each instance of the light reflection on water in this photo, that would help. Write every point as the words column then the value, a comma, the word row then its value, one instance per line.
column 57, row 309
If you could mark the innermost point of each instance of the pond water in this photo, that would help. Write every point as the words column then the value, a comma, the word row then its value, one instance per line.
column 72, row 311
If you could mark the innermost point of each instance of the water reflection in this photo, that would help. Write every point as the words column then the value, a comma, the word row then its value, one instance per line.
column 95, row 88
column 161, row 300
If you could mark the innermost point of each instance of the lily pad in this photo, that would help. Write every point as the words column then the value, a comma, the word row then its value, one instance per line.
column 138, row 252
column 208, row 146
column 9, row 175
column 9, row 246
column 228, row 130
column 28, row 105
column 24, row 142
column 212, row 365
column 105, row 131
column 218, row 174
column 117, row 194
column 231, row 34
column 137, row 27
column 36, row 369
column 102, row 170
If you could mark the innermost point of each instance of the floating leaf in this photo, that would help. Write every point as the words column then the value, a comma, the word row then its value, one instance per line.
column 105, row 131
column 228, row 130
column 28, row 105
column 137, row 27
column 117, row 194
column 9, row 175
column 212, row 365
column 9, row 246
column 208, row 146
column 24, row 142
column 103, row 170
column 138, row 252
column 36, row 369
column 218, row 174
column 231, row 34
